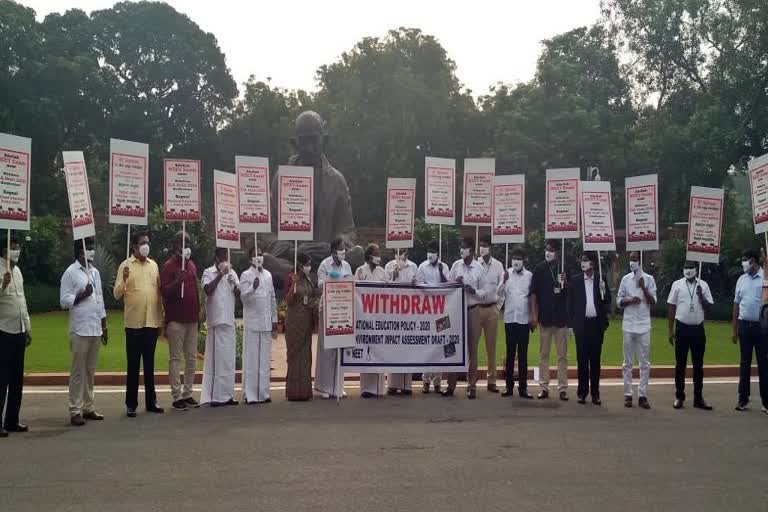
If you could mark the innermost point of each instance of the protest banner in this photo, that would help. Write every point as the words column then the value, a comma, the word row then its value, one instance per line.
column 128, row 168
column 642, row 212
column 508, row 209
column 79, row 195
column 181, row 190
column 407, row 328
column 295, row 196
column 758, row 186
column 15, row 168
column 225, row 210
column 705, row 220
column 477, row 190
column 597, row 216
column 338, row 313
column 401, row 212
column 253, row 193
column 562, row 204
column 439, row 190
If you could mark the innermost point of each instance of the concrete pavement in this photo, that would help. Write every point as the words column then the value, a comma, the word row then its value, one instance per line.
column 419, row 453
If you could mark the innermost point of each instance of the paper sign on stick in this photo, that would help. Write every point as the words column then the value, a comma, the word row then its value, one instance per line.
column 295, row 207
column 401, row 211
column 128, row 182
column 508, row 209
column 478, row 184
column 339, row 313
column 642, row 212
column 253, row 189
column 15, row 160
column 78, row 192
column 758, row 186
column 439, row 190
column 705, row 220
column 225, row 208
column 182, row 189
column 561, row 217
column 597, row 216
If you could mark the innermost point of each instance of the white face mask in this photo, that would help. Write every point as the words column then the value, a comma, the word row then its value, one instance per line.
column 549, row 256
column 517, row 265
column 144, row 250
column 224, row 267
column 307, row 269
column 586, row 265
column 187, row 253
column 746, row 265
column 689, row 273
column 376, row 260
column 465, row 252
column 485, row 251
column 634, row 266
column 341, row 255
column 90, row 254
column 258, row 261
column 432, row 257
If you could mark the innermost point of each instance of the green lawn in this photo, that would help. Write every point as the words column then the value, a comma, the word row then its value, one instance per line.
column 50, row 348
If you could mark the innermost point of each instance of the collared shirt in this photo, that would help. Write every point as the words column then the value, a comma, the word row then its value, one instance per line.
column 516, row 293
column 141, row 293
column 427, row 273
column 14, row 317
column 327, row 266
column 84, row 317
column 637, row 317
column 186, row 310
column 683, row 295
column 589, row 289
column 378, row 274
column 406, row 274
column 259, row 304
column 471, row 276
column 492, row 274
column 749, row 289
column 552, row 307
column 220, row 305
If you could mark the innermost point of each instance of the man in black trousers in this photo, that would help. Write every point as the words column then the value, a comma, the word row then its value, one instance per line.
column 588, row 305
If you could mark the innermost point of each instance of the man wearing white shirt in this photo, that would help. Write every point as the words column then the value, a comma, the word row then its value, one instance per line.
column 515, row 290
column 637, row 295
column 81, row 293
column 432, row 272
column 688, row 301
column 488, row 314
column 329, row 380
column 467, row 271
column 257, row 292
column 401, row 270
column 15, row 337
column 372, row 384
column 221, row 287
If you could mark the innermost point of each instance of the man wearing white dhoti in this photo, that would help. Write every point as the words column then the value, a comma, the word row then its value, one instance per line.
column 329, row 380
column 257, row 291
column 221, row 285
column 372, row 384
column 432, row 272
column 401, row 270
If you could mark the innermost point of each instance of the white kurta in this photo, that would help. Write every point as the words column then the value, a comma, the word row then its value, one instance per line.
column 328, row 376
column 220, row 342
column 406, row 273
column 372, row 382
column 259, row 313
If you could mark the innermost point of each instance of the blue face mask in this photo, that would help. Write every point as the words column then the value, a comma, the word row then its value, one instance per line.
column 334, row 275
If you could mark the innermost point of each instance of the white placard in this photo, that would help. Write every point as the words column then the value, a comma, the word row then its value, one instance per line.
column 128, row 182
column 440, row 191
column 295, row 206
column 15, row 169
column 705, row 221
column 225, row 210
column 508, row 209
column 182, row 189
column 253, row 189
column 561, row 217
column 339, row 313
column 79, row 195
column 758, row 186
column 596, row 207
column 478, row 185
column 642, row 212
column 401, row 212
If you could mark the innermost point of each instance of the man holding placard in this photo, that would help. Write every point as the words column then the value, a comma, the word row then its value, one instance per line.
column 401, row 270
column 432, row 272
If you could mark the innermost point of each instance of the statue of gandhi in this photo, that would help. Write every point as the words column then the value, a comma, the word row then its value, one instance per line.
column 332, row 205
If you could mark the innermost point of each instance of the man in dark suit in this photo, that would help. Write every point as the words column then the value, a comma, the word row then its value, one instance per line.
column 588, row 307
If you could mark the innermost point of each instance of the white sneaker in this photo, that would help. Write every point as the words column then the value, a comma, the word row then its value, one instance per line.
column 325, row 396
column 765, row 409
column 343, row 394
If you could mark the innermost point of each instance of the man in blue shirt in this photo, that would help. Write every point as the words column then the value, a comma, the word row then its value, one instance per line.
column 746, row 328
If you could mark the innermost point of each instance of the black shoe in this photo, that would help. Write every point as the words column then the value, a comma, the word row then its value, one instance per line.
column 524, row 394
column 472, row 394
column 678, row 404
column 627, row 401
column 3, row 432
column 425, row 389
column 180, row 405
column 19, row 427
column 391, row 391
column 581, row 400
column 217, row 404
column 93, row 416
column 406, row 392
column 493, row 388
column 155, row 409
column 543, row 394
column 742, row 406
column 596, row 400
column 77, row 420
column 367, row 394
column 130, row 412
column 268, row 401
column 448, row 392
column 232, row 401
column 507, row 392
column 643, row 403
column 702, row 404
column 192, row 402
